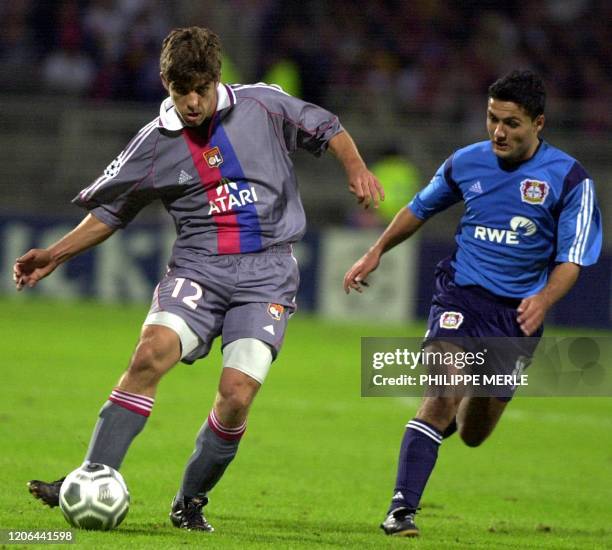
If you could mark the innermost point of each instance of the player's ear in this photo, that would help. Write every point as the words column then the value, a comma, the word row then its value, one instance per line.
column 164, row 82
column 538, row 123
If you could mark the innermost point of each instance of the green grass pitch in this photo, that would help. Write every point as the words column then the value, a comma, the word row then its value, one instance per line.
column 317, row 464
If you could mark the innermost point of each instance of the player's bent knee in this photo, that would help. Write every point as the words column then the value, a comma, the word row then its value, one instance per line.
column 235, row 397
column 249, row 356
column 233, row 401
column 246, row 363
column 145, row 362
column 153, row 357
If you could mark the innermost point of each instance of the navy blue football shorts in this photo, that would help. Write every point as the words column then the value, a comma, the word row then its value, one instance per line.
column 479, row 321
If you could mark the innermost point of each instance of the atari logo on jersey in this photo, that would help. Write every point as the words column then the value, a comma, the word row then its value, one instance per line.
column 229, row 197
column 226, row 187
column 213, row 157
column 534, row 191
column 275, row 311
column 451, row 320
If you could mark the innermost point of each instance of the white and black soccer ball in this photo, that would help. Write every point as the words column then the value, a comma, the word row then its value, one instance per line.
column 95, row 497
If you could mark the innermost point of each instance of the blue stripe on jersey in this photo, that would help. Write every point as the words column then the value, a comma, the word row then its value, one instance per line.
column 574, row 177
column 248, row 220
column 448, row 175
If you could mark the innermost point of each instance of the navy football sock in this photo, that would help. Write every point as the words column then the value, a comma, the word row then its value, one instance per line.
column 418, row 455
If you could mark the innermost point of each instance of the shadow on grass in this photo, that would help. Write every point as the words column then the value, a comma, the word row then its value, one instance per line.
column 544, row 531
column 240, row 531
column 317, row 527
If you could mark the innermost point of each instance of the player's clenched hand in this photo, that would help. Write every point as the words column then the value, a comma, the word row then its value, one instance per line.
column 355, row 277
column 366, row 187
column 531, row 313
column 32, row 267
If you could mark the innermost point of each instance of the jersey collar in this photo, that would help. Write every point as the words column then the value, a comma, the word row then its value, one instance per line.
column 512, row 166
column 170, row 120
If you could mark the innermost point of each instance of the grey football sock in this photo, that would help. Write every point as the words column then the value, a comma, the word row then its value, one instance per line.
column 211, row 457
column 113, row 434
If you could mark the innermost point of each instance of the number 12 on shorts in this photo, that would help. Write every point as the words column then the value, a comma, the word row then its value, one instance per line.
column 188, row 300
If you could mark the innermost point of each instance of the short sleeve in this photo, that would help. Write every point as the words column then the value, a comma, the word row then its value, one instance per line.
column 126, row 186
column 440, row 193
column 579, row 231
column 302, row 125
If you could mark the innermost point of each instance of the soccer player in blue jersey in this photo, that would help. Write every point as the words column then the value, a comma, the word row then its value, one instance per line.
column 531, row 221
column 218, row 157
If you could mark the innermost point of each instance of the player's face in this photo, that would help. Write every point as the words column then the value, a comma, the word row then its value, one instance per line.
column 513, row 133
column 194, row 105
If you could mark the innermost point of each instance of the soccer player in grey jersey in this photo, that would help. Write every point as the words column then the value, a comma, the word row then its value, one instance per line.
column 218, row 157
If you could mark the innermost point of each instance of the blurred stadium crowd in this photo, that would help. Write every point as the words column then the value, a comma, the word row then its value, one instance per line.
column 420, row 57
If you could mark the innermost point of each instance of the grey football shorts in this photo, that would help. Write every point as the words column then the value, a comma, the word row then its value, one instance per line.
column 235, row 296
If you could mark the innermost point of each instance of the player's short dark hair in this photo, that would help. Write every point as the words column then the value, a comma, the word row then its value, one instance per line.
column 190, row 55
column 525, row 88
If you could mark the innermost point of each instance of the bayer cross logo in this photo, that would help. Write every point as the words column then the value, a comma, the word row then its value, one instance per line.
column 451, row 320
column 534, row 191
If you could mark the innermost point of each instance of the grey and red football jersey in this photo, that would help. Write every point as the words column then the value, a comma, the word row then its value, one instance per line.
column 230, row 185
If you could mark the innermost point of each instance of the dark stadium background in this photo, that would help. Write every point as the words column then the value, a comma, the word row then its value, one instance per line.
column 80, row 77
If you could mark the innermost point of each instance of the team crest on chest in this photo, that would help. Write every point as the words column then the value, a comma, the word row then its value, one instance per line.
column 451, row 320
column 275, row 311
column 534, row 191
column 213, row 157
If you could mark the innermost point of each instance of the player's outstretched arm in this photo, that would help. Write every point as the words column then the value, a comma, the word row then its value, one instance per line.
column 532, row 310
column 401, row 227
column 37, row 263
column 361, row 182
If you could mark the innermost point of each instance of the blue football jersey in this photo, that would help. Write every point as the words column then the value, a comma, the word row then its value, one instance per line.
column 518, row 219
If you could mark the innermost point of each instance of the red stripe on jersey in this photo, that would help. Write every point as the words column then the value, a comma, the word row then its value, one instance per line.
column 228, row 231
